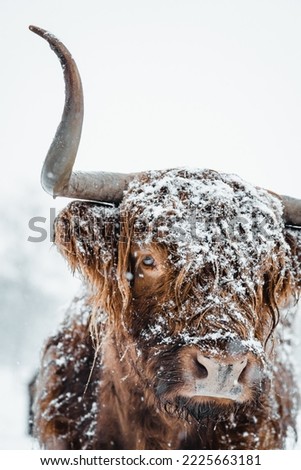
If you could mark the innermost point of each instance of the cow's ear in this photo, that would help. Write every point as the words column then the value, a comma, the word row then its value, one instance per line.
column 87, row 234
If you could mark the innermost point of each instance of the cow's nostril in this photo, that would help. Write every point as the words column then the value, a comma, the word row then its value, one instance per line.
column 243, row 374
column 202, row 372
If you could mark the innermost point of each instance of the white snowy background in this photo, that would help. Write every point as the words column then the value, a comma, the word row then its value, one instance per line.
column 202, row 83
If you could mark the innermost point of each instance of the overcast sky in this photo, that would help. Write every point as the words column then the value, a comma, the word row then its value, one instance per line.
column 202, row 83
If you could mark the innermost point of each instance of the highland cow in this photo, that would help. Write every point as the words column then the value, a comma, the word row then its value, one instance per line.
column 181, row 336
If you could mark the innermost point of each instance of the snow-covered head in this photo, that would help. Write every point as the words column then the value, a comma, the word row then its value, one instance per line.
column 192, row 268
column 208, row 218
column 217, row 234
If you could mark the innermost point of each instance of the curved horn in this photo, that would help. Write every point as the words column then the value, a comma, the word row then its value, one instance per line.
column 292, row 210
column 57, row 177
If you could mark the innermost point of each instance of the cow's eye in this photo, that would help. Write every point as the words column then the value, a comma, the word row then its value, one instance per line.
column 148, row 261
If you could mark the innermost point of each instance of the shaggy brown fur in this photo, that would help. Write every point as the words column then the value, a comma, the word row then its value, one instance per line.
column 192, row 263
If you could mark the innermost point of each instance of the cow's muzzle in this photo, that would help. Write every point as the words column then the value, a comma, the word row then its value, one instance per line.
column 221, row 378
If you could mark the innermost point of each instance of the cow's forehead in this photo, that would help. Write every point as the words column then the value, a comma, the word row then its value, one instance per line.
column 205, row 216
column 206, row 191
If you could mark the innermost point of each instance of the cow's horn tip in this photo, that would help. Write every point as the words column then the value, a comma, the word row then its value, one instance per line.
column 37, row 30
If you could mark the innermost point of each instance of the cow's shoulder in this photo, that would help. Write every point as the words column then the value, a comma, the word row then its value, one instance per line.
column 65, row 401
